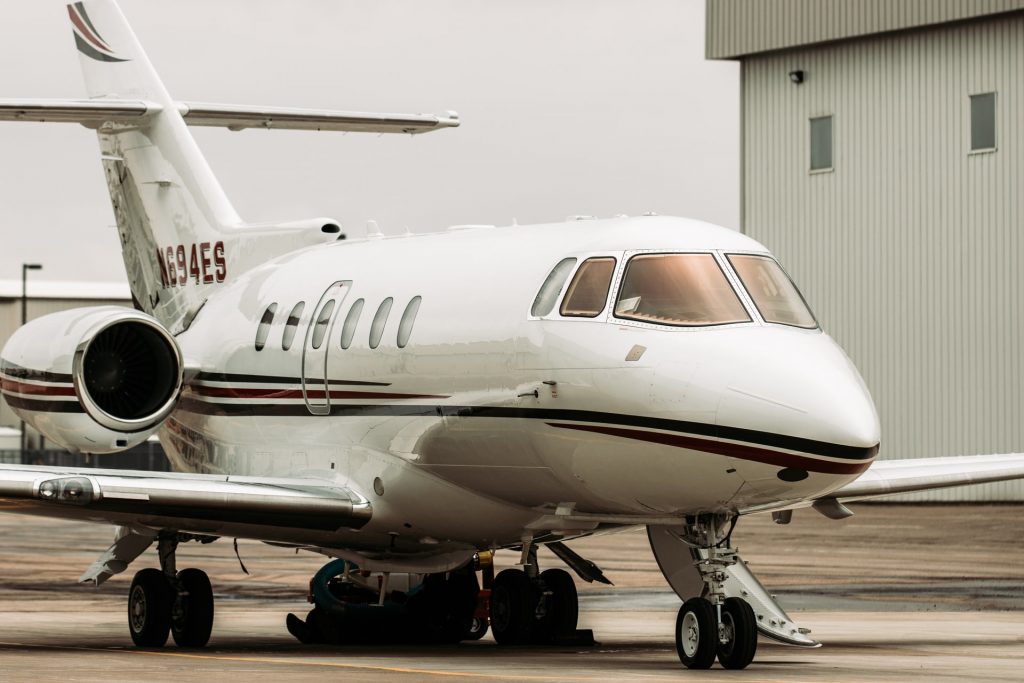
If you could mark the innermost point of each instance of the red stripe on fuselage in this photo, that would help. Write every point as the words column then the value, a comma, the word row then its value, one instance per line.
column 277, row 392
column 16, row 387
column 733, row 450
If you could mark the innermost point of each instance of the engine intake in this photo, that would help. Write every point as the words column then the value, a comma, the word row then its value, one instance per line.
column 127, row 374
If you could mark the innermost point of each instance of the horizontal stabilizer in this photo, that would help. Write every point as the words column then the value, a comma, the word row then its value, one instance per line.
column 95, row 113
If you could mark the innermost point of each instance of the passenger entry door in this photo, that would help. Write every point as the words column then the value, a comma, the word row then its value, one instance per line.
column 315, row 389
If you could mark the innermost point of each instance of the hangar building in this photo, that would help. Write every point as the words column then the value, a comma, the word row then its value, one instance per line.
column 882, row 160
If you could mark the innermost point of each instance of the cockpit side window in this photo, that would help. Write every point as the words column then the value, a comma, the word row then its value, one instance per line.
column 588, row 291
column 678, row 289
column 776, row 297
column 548, row 294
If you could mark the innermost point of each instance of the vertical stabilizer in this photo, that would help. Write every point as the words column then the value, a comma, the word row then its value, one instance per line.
column 173, row 217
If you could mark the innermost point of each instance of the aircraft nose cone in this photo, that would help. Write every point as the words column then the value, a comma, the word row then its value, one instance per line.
column 800, row 385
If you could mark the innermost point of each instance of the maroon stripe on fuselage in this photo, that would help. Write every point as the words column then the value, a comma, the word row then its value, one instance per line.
column 277, row 392
column 733, row 450
column 43, row 405
column 13, row 386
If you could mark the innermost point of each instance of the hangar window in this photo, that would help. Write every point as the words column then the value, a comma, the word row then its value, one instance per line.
column 983, row 122
column 678, row 289
column 776, row 297
column 588, row 291
column 292, row 325
column 320, row 329
column 548, row 294
column 380, row 319
column 348, row 332
column 821, row 143
column 408, row 320
column 263, row 331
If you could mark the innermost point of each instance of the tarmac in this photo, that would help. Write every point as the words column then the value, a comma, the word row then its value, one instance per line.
column 895, row 593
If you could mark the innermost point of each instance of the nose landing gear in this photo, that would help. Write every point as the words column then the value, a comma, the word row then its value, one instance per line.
column 714, row 625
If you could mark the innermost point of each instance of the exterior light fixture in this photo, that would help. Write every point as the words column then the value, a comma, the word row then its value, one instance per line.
column 797, row 76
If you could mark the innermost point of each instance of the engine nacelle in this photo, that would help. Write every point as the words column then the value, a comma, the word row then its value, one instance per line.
column 93, row 380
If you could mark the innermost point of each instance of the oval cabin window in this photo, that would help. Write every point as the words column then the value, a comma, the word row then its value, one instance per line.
column 263, row 331
column 320, row 329
column 408, row 320
column 379, row 321
column 292, row 325
column 348, row 331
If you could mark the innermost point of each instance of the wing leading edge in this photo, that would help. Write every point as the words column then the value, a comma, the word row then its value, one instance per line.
column 887, row 477
column 218, row 505
column 98, row 112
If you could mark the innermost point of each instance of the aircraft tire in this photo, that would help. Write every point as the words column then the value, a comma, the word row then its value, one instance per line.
column 149, row 608
column 192, row 613
column 513, row 608
column 739, row 651
column 562, row 609
column 696, row 634
column 477, row 629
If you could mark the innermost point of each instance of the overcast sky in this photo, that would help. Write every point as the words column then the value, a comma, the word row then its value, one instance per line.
column 568, row 107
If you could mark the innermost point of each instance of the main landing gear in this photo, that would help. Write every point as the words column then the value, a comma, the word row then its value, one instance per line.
column 164, row 602
column 714, row 625
column 533, row 607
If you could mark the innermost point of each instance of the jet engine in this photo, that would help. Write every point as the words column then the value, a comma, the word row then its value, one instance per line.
column 93, row 380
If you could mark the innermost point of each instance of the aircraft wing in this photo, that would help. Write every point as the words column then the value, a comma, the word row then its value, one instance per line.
column 97, row 112
column 886, row 477
column 284, row 510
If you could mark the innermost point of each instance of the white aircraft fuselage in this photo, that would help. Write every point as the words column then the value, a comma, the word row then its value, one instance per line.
column 490, row 415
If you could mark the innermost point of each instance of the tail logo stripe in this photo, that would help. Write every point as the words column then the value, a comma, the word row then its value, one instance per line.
column 87, row 38
column 80, row 8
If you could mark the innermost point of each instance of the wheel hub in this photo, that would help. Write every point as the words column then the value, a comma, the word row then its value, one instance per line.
column 691, row 632
column 138, row 609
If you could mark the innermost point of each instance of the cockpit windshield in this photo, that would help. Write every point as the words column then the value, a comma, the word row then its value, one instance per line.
column 774, row 294
column 678, row 289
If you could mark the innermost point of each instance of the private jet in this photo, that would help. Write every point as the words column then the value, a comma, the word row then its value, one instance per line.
column 406, row 406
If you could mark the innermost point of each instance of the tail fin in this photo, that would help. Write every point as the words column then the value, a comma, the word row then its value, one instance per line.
column 171, row 212
column 180, row 237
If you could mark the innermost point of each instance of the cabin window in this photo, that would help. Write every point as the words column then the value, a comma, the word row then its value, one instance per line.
column 348, row 331
column 983, row 122
column 380, row 319
column 548, row 294
column 408, row 320
column 776, row 297
column 678, row 289
column 320, row 328
column 292, row 325
column 263, row 330
column 588, row 291
column 821, row 143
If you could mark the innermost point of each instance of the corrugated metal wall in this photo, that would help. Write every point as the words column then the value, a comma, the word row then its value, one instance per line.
column 10, row 320
column 911, row 251
column 742, row 27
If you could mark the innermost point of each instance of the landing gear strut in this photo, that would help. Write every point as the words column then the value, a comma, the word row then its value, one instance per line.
column 714, row 625
column 164, row 602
